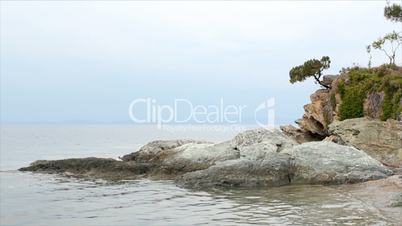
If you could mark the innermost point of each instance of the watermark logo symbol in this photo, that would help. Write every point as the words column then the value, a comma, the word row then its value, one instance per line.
column 267, row 107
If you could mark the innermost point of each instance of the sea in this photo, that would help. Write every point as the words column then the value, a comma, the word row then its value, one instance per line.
column 41, row 199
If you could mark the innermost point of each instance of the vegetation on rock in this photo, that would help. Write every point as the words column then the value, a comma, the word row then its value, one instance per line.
column 356, row 83
column 374, row 92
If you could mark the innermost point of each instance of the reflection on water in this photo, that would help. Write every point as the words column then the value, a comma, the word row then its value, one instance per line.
column 38, row 199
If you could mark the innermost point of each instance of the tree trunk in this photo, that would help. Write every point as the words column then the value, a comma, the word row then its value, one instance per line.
column 319, row 82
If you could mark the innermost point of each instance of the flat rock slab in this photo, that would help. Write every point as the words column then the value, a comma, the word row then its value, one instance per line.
column 109, row 169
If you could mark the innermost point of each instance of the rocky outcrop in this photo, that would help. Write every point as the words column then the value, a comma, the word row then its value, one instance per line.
column 356, row 92
column 253, row 158
column 335, row 139
column 328, row 80
column 381, row 140
column 322, row 110
column 297, row 134
column 318, row 114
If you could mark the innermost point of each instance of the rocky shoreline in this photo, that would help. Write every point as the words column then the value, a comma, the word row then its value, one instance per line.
column 362, row 154
column 252, row 158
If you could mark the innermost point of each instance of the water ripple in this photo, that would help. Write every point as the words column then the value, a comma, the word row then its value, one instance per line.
column 163, row 203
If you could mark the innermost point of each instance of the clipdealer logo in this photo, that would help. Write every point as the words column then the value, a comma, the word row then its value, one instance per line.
column 183, row 111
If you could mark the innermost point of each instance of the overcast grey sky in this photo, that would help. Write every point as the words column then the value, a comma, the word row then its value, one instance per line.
column 70, row 61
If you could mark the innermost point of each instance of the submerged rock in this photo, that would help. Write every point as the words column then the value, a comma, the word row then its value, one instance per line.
column 109, row 169
column 252, row 158
column 384, row 195
column 397, row 202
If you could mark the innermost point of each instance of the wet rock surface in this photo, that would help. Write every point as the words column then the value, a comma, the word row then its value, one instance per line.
column 109, row 169
column 256, row 157
column 385, row 195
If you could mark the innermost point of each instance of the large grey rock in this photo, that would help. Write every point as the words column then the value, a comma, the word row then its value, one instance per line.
column 158, row 150
column 329, row 163
column 252, row 146
column 381, row 140
column 267, row 172
column 308, row 163
column 257, row 161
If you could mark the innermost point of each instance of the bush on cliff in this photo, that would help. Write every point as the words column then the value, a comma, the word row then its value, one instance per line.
column 356, row 83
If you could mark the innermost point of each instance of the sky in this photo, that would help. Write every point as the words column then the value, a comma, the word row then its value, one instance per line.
column 85, row 62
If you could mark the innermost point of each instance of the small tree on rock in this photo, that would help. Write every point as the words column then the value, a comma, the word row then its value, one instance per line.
column 310, row 68
column 394, row 40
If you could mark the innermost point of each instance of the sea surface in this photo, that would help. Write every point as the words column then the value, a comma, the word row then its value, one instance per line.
column 41, row 199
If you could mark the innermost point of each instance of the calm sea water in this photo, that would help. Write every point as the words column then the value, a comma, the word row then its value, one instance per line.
column 40, row 199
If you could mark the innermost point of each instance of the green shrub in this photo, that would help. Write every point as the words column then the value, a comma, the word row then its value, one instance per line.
column 333, row 100
column 362, row 81
column 391, row 105
column 352, row 103
column 386, row 108
column 341, row 88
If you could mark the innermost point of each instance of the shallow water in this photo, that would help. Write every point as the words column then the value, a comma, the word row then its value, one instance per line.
column 41, row 199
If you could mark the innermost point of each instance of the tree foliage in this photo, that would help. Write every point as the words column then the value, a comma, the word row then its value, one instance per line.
column 390, row 43
column 310, row 68
column 394, row 40
column 393, row 12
